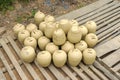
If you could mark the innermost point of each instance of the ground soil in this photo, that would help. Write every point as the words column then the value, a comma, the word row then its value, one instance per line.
column 23, row 12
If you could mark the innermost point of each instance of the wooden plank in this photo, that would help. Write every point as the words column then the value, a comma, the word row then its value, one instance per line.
column 7, row 66
column 88, row 72
column 28, row 66
column 111, row 45
column 116, row 68
column 105, row 39
column 6, row 41
column 114, row 32
column 109, row 21
column 11, row 66
column 13, row 60
column 99, row 14
column 56, row 73
column 105, row 71
column 103, row 31
column 96, row 11
column 85, row 10
column 2, row 76
column 44, row 72
column 101, row 75
column 83, row 76
column 68, row 72
column 110, row 29
column 107, row 16
column 112, row 58
column 99, row 32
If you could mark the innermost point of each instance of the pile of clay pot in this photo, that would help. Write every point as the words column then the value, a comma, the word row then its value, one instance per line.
column 48, row 41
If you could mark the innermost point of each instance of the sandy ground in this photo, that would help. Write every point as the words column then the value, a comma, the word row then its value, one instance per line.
column 23, row 12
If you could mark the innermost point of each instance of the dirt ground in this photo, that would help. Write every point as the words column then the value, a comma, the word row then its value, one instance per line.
column 23, row 12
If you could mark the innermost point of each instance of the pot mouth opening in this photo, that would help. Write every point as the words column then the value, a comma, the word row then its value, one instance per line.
column 30, row 40
column 93, row 38
column 22, row 32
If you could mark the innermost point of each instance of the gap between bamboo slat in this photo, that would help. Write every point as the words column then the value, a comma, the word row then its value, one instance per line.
column 107, row 16
column 88, row 72
column 105, row 71
column 44, row 72
column 13, row 60
column 83, row 76
column 109, row 37
column 115, row 18
column 108, row 26
column 109, row 30
column 56, row 73
column 7, row 66
column 68, row 72
column 101, row 75
column 11, row 66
